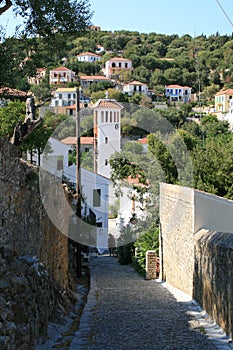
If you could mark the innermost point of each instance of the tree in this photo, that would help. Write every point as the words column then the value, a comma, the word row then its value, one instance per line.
column 43, row 16
column 213, row 167
column 9, row 117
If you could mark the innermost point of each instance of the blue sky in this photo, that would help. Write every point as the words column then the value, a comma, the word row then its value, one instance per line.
column 164, row 16
column 159, row 16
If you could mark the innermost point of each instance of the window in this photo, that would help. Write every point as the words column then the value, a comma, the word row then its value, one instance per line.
column 106, row 116
column 118, row 117
column 119, row 64
column 126, row 65
column 69, row 96
column 59, row 164
column 60, row 96
column 113, row 64
column 96, row 198
column 114, row 117
column 110, row 117
column 102, row 116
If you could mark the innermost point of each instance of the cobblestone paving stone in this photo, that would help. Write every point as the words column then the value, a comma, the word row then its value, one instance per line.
column 126, row 312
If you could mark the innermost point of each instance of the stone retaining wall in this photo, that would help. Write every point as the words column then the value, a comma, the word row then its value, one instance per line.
column 213, row 277
column 24, row 224
column 195, row 257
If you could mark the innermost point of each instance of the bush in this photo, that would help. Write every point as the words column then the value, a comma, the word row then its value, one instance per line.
column 147, row 241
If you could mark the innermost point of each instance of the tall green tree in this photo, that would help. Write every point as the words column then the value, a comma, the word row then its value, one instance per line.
column 42, row 17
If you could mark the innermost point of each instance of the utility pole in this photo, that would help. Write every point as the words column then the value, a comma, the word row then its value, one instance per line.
column 78, row 184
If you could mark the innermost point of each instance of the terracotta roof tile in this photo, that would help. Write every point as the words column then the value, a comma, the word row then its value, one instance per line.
column 60, row 69
column 94, row 77
column 88, row 54
column 107, row 103
column 119, row 59
column 225, row 92
column 7, row 91
column 71, row 140
column 178, row 87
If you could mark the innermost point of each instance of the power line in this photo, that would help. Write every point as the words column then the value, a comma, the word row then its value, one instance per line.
column 226, row 15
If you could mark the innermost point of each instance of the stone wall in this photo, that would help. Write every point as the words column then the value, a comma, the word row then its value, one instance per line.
column 176, row 238
column 213, row 277
column 24, row 224
column 196, row 255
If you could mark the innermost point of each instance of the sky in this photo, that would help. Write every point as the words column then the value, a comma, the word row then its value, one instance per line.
column 158, row 16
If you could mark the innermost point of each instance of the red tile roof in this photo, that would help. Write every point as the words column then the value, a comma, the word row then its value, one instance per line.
column 119, row 59
column 135, row 82
column 225, row 92
column 7, row 91
column 71, row 140
column 143, row 141
column 136, row 181
column 88, row 54
column 93, row 77
column 107, row 103
column 61, row 69
column 178, row 87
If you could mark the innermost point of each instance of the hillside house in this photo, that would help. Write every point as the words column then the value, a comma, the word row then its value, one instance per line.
column 224, row 101
column 86, row 142
column 64, row 97
column 99, row 49
column 135, row 87
column 61, row 75
column 224, row 106
column 87, row 80
column 37, row 79
column 88, row 57
column 178, row 93
column 117, row 65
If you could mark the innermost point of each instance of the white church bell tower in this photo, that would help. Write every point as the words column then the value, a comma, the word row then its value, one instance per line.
column 107, row 134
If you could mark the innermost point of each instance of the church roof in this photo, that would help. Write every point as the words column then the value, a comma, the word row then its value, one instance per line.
column 107, row 103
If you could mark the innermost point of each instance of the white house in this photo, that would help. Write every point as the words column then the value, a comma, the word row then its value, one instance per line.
column 117, row 65
column 99, row 49
column 86, row 142
column 88, row 57
column 37, row 79
column 178, row 93
column 135, row 86
column 87, row 80
column 95, row 195
column 61, row 75
column 94, row 188
column 63, row 97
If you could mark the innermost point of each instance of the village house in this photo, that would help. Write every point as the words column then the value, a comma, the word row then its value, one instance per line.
column 61, row 75
column 178, row 93
column 117, row 65
column 224, row 101
column 135, row 87
column 64, row 97
column 86, row 142
column 223, row 106
column 99, row 49
column 88, row 57
column 37, row 79
column 87, row 80
column 64, row 101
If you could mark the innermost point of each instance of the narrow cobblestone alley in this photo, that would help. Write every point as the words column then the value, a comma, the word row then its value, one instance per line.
column 126, row 312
